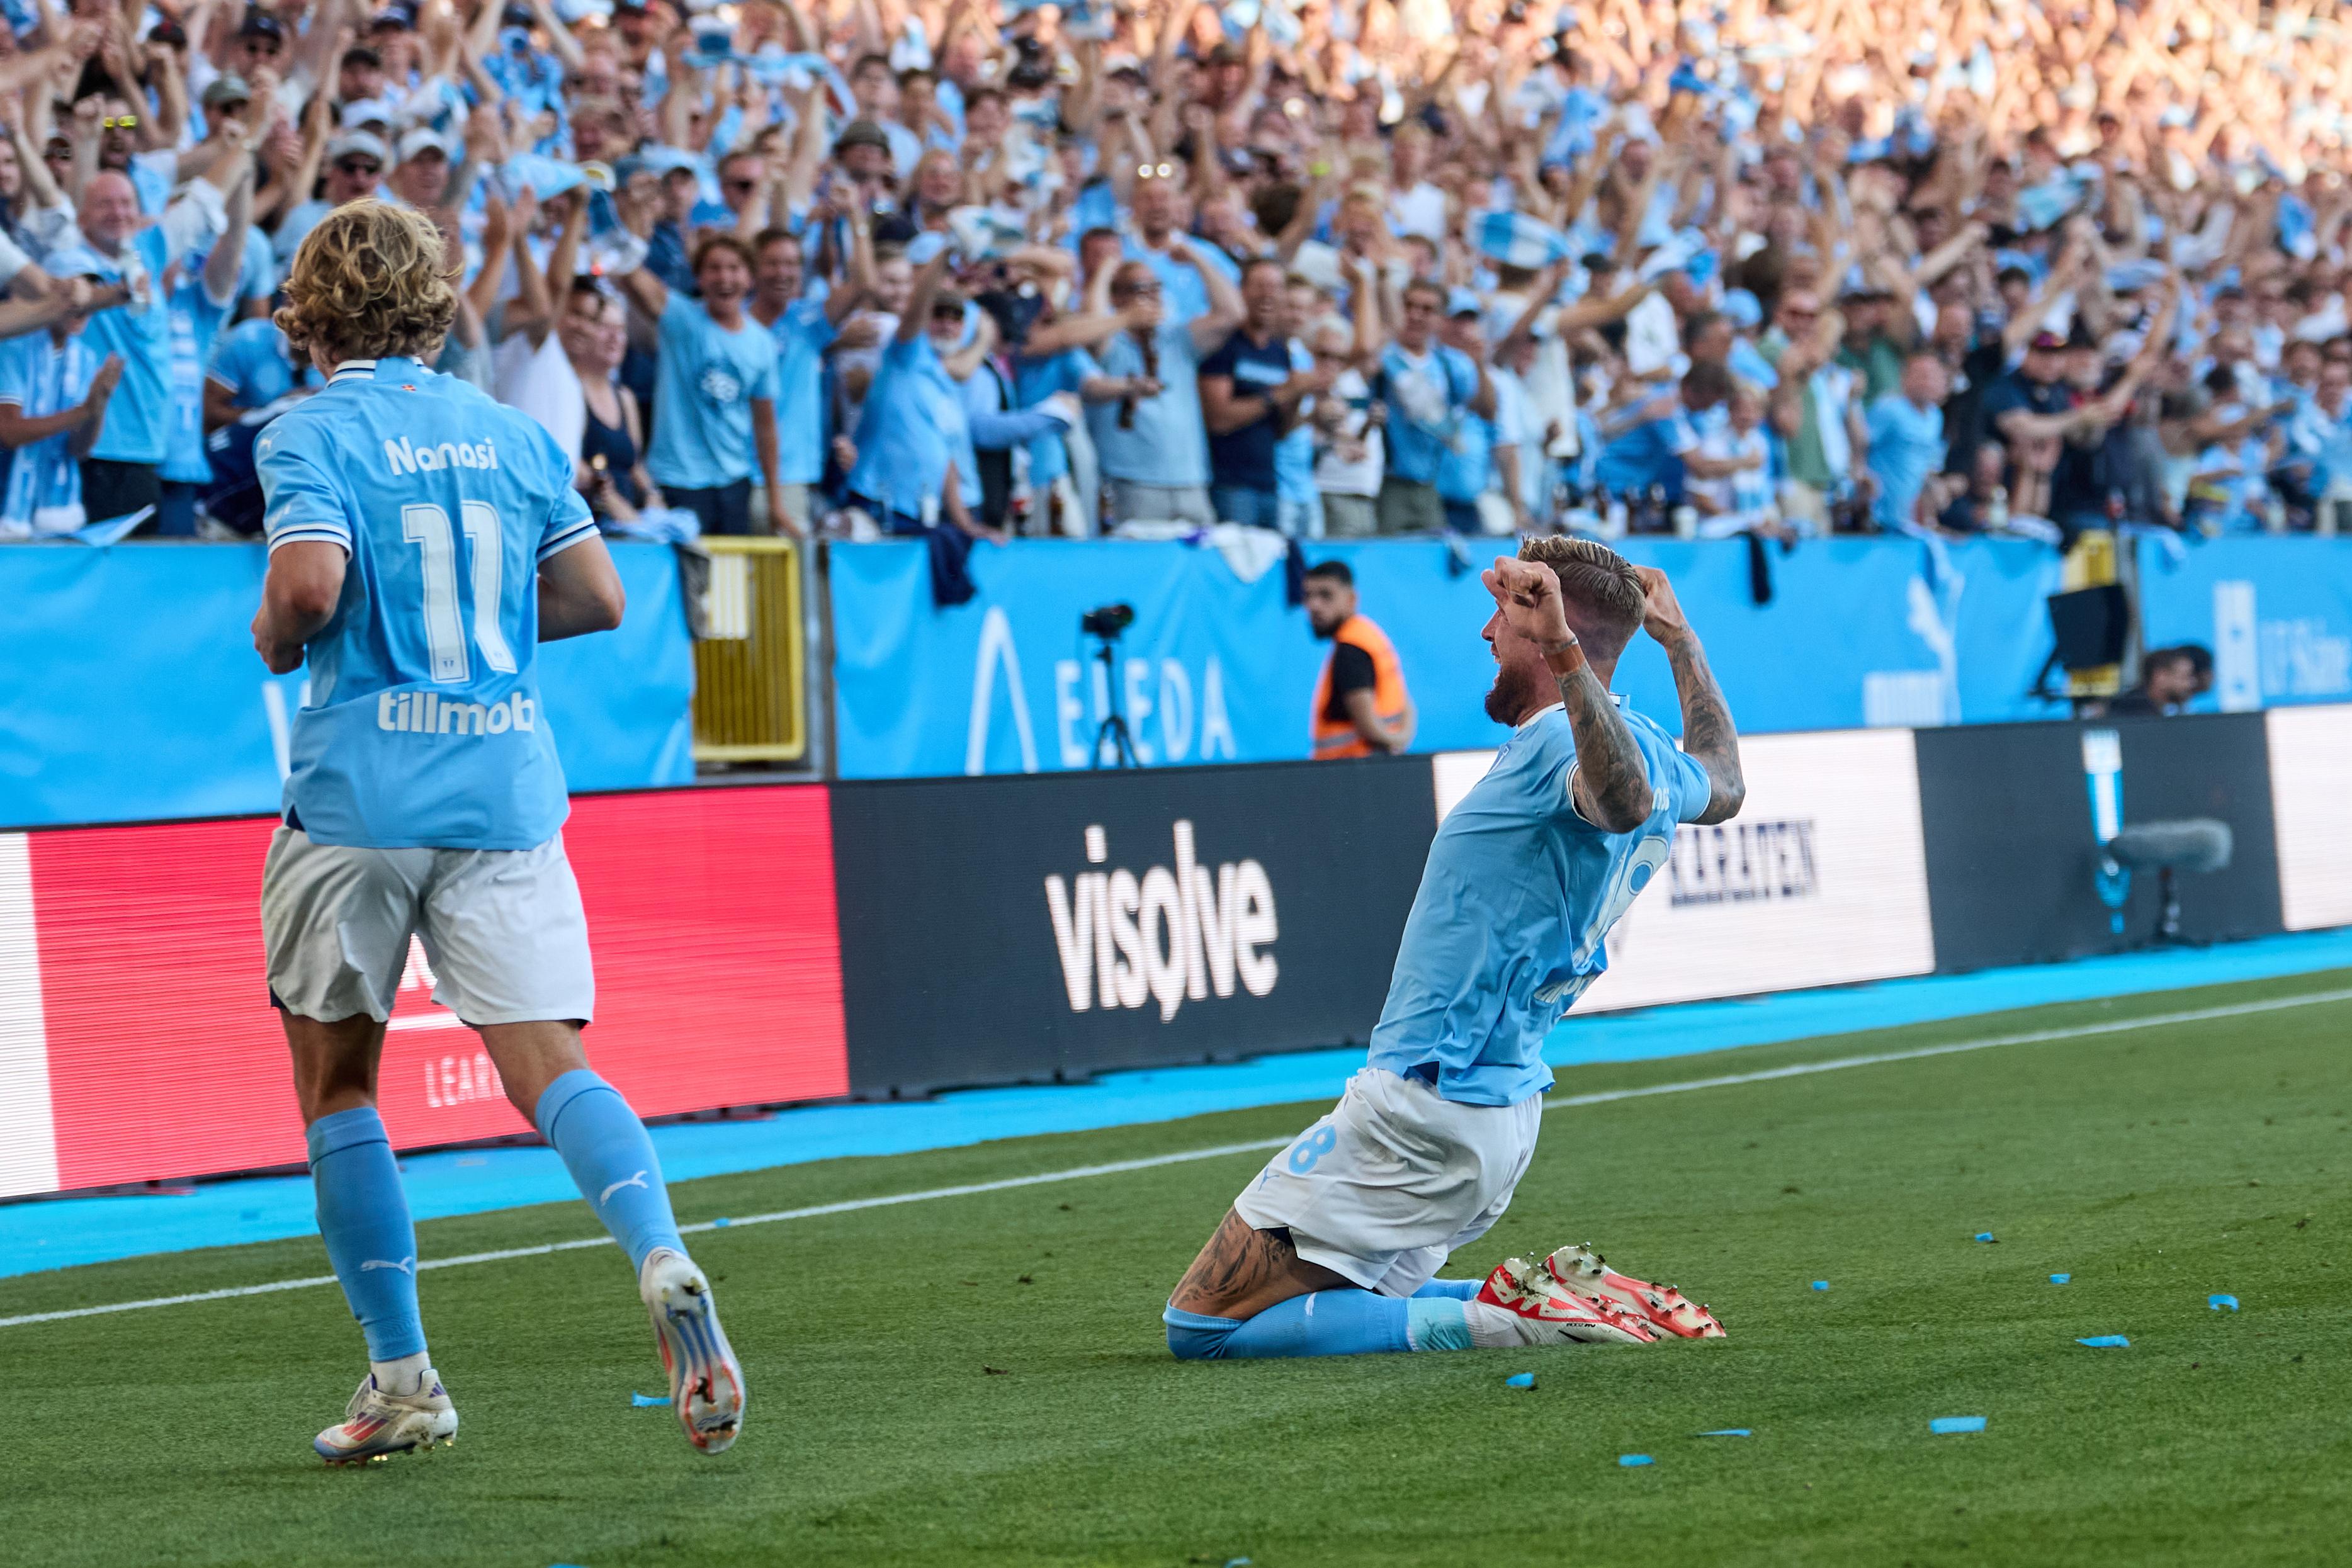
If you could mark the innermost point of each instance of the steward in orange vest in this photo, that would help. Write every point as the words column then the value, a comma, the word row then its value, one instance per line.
column 1361, row 707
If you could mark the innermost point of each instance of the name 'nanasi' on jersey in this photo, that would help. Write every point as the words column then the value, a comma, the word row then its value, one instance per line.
column 424, row 724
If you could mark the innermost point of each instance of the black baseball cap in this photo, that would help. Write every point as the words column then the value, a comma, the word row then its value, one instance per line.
column 260, row 23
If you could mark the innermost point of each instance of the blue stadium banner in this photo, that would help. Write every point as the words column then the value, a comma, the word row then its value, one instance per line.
column 2277, row 613
column 1217, row 668
column 130, row 690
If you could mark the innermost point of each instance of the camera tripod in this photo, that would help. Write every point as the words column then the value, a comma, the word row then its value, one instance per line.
column 1113, row 729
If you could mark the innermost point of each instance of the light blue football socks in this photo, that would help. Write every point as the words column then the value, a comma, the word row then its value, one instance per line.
column 363, row 1219
column 605, row 1147
column 1331, row 1323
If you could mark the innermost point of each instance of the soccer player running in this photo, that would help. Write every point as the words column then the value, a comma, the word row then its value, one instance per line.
column 1333, row 1248
column 423, row 540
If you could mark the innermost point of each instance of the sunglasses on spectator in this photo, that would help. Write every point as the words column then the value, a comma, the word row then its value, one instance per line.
column 358, row 166
column 120, row 122
column 741, row 184
column 265, row 45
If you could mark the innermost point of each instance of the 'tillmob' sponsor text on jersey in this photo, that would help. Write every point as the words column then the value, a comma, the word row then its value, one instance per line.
column 1519, row 895
column 423, row 726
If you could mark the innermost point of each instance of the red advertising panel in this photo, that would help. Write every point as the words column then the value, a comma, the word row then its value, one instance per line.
column 717, row 978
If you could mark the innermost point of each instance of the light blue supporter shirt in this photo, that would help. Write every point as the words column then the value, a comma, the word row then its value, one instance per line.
column 1466, row 470
column 1168, row 445
column 1519, row 891
column 1294, row 454
column 912, row 426
column 1183, row 293
column 138, row 416
column 424, row 725
column 1427, row 396
column 197, row 321
column 1034, row 380
column 1648, row 449
column 2323, row 440
column 1906, row 444
column 253, row 361
column 801, row 333
column 42, row 376
column 704, row 384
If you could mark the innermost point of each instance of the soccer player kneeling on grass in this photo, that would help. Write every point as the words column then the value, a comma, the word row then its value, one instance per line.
column 423, row 540
column 1333, row 1249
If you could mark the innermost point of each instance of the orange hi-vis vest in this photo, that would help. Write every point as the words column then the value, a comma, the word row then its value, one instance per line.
column 1337, row 737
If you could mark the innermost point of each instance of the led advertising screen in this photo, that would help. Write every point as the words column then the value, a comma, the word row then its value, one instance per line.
column 137, row 1040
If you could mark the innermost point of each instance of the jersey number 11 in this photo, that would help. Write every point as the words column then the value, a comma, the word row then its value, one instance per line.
column 427, row 528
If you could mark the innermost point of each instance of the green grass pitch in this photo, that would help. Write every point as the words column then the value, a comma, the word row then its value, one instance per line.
column 2154, row 1165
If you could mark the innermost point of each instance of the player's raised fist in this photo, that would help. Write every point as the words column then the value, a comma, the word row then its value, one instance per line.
column 1529, row 594
column 1662, row 612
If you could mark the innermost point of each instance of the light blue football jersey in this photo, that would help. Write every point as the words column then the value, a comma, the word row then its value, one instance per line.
column 424, row 725
column 1507, row 931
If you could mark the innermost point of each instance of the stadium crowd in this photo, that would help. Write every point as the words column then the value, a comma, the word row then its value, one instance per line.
column 979, row 269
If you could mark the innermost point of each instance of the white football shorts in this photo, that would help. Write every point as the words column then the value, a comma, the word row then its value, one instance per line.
column 1395, row 1178
column 503, row 929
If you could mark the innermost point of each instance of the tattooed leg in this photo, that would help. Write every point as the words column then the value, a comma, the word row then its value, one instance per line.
column 1242, row 1271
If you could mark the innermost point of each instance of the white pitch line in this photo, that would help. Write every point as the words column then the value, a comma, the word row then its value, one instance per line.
column 1116, row 1167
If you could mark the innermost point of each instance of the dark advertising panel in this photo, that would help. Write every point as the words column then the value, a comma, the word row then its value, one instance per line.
column 2021, row 822
column 1052, row 926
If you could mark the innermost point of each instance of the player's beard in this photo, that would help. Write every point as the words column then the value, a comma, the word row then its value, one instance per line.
column 1515, row 690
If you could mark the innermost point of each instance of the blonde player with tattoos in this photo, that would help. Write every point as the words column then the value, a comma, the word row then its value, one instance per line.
column 1333, row 1249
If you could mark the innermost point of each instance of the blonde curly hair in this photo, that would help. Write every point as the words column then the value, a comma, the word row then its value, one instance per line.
column 1598, row 587
column 373, row 281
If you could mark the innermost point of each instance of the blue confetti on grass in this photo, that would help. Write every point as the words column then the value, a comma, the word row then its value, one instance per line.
column 722, row 1223
column 2106, row 1342
column 1634, row 1461
column 1520, row 1380
column 1985, row 1236
column 2218, row 1301
column 1821, row 1284
column 1957, row 1423
column 1729, row 1432
column 643, row 1400
column 2060, row 1279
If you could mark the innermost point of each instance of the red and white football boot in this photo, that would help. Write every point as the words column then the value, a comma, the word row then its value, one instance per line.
column 1542, row 1314
column 1580, row 1271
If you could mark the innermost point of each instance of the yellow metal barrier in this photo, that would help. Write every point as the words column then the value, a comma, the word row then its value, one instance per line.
column 751, row 688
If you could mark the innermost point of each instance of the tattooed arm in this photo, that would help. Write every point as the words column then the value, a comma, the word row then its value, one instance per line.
column 1709, row 739
column 1611, row 787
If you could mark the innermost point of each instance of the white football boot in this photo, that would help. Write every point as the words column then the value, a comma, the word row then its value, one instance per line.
column 377, row 1424
column 706, row 1381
